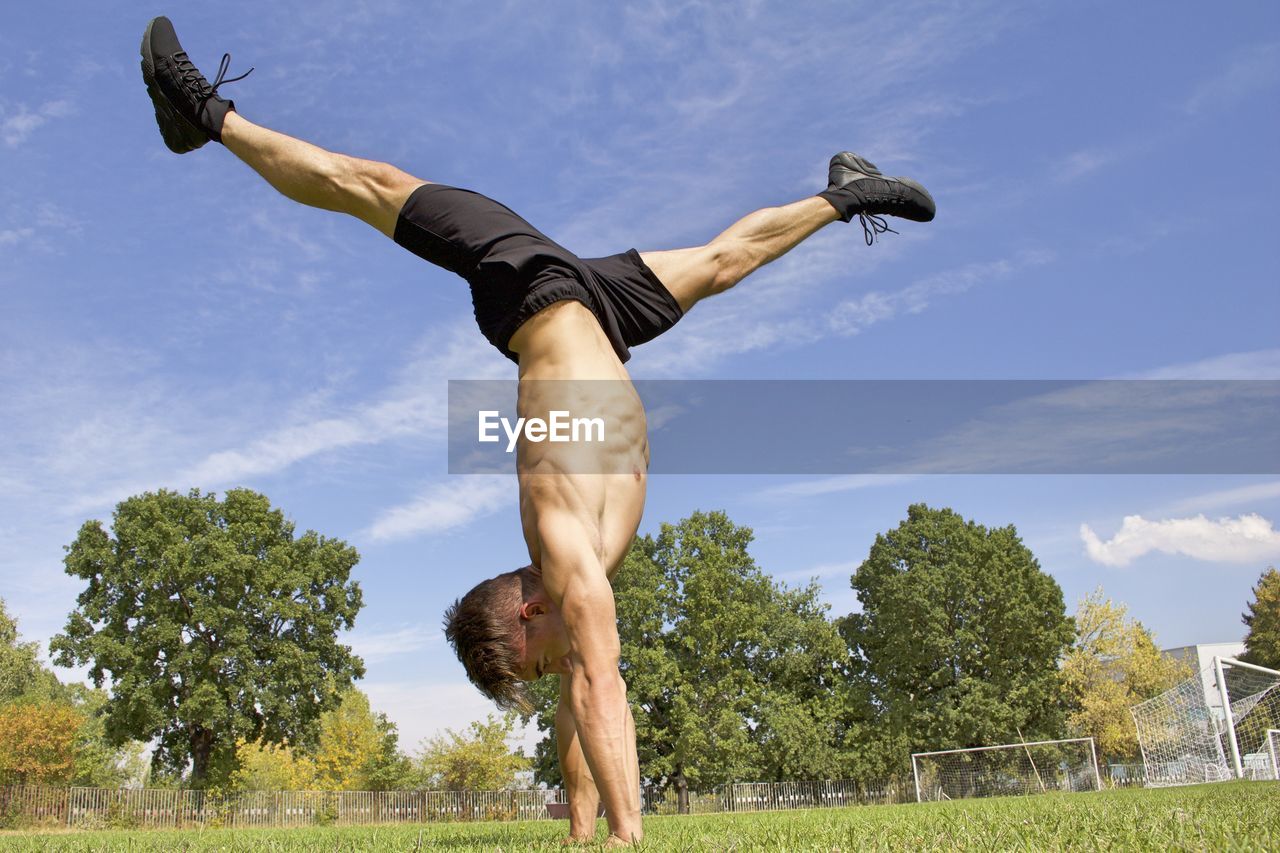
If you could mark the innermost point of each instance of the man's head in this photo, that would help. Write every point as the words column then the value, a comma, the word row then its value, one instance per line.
column 506, row 631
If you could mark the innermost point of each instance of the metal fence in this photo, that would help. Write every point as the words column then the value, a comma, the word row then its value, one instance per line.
column 156, row 808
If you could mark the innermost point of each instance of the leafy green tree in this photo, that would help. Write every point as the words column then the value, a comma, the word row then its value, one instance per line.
column 21, row 673
column 1262, row 643
column 1113, row 665
column 730, row 674
column 214, row 623
column 959, row 636
column 478, row 759
column 358, row 749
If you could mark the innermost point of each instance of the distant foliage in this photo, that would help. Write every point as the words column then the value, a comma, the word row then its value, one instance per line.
column 1262, row 643
column 38, row 742
column 25, row 680
column 1113, row 665
column 959, row 637
column 214, row 623
column 272, row 767
column 478, row 759
column 21, row 673
column 357, row 749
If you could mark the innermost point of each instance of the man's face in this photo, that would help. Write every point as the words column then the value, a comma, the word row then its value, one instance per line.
column 546, row 642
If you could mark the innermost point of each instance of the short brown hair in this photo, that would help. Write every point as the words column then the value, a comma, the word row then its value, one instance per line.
column 487, row 636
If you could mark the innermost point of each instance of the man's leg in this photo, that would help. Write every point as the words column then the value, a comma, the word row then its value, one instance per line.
column 368, row 190
column 750, row 243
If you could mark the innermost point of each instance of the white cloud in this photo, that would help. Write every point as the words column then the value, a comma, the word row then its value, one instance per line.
column 1229, row 497
column 822, row 570
column 446, row 506
column 20, row 123
column 1255, row 364
column 830, row 485
column 379, row 645
column 416, row 405
column 1246, row 539
column 1250, row 72
column 853, row 316
column 1084, row 162
column 14, row 236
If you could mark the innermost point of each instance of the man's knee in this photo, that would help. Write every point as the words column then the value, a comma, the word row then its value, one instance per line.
column 729, row 264
column 376, row 191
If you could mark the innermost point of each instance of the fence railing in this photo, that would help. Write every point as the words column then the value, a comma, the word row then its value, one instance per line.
column 167, row 808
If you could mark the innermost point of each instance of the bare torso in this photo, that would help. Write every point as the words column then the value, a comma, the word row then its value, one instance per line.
column 567, row 364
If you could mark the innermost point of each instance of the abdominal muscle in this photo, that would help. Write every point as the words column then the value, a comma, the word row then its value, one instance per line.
column 568, row 365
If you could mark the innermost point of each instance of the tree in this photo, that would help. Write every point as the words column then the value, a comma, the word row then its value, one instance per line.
column 1262, row 643
column 37, row 742
column 23, row 677
column 358, row 749
column 98, row 762
column 21, row 673
column 479, row 759
column 730, row 675
column 214, row 624
column 271, row 767
column 959, row 637
column 1113, row 665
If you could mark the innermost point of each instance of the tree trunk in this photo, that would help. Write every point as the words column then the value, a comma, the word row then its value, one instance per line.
column 201, row 749
column 682, row 793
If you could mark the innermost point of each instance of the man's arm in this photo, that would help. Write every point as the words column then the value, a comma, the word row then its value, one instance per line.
column 584, row 799
column 571, row 572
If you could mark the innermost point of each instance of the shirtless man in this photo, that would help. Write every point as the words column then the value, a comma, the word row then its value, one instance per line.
column 559, row 317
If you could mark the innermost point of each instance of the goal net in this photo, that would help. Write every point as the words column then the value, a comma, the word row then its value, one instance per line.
column 1011, row 769
column 1273, row 750
column 1212, row 727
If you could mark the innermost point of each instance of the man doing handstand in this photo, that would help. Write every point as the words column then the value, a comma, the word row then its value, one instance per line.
column 559, row 317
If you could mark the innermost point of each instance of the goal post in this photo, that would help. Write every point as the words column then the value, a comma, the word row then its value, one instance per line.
column 1211, row 727
column 1009, row 769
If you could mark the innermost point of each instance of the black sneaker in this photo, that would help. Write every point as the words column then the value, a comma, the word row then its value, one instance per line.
column 857, row 188
column 188, row 109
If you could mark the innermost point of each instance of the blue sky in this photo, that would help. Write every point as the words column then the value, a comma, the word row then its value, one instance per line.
column 1106, row 186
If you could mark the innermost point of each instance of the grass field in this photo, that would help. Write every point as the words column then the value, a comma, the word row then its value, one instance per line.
column 1228, row 816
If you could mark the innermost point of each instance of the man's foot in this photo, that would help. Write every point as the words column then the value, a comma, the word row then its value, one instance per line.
column 188, row 109
column 857, row 188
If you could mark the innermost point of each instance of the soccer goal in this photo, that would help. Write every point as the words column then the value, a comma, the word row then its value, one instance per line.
column 1273, row 750
column 1214, row 726
column 1010, row 769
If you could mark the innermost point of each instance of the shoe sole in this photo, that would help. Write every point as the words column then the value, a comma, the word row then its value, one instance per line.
column 190, row 137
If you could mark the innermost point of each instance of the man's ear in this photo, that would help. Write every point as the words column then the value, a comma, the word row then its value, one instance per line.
column 530, row 609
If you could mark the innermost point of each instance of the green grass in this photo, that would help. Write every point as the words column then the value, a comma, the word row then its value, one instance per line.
column 1228, row 816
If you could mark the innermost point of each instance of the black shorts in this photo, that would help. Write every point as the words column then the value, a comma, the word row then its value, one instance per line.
column 515, row 270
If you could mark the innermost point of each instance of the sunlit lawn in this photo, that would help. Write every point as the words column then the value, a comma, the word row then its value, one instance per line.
column 1228, row 816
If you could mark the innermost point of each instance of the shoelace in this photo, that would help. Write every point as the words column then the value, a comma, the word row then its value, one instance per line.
column 194, row 80
column 873, row 224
